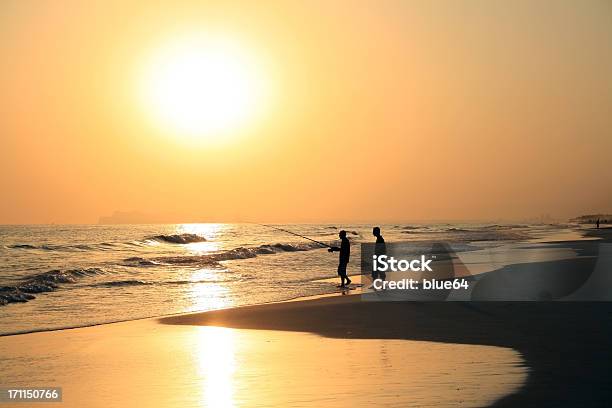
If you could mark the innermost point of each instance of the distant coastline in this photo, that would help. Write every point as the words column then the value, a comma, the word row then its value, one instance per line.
column 592, row 219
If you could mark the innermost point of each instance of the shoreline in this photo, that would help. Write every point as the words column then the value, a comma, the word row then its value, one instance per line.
column 603, row 234
column 85, row 326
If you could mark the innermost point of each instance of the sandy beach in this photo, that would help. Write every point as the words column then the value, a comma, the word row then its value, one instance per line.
column 150, row 364
column 335, row 351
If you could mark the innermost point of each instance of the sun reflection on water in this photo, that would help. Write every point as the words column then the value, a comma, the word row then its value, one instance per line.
column 209, row 231
column 209, row 296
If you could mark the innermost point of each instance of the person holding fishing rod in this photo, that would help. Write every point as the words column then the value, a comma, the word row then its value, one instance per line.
column 344, row 249
column 345, row 254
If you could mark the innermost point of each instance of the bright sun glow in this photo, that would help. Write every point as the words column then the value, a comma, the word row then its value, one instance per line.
column 202, row 87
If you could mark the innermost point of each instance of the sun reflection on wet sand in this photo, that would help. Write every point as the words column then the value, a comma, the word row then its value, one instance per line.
column 216, row 364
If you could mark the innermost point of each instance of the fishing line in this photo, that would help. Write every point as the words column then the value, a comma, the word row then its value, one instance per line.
column 297, row 235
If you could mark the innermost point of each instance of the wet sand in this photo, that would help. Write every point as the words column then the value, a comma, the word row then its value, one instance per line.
column 565, row 346
column 147, row 364
column 335, row 351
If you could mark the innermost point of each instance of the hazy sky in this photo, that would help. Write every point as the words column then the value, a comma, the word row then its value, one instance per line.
column 373, row 111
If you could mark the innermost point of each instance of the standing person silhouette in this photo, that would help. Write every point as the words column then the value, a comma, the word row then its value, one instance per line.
column 598, row 223
column 345, row 254
column 380, row 248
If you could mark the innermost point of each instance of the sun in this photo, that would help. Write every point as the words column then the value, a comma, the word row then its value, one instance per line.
column 202, row 87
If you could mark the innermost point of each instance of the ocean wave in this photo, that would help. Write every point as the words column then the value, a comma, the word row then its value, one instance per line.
column 493, row 235
column 108, row 246
column 43, row 282
column 178, row 238
column 501, row 235
column 191, row 282
column 30, row 246
column 121, row 283
column 484, row 233
column 213, row 260
column 137, row 282
column 504, row 227
column 22, row 246
column 104, row 246
column 138, row 261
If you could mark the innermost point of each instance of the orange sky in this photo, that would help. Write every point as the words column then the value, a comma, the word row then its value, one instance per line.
column 377, row 111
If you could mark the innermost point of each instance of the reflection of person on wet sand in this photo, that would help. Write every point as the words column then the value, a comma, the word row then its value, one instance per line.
column 345, row 254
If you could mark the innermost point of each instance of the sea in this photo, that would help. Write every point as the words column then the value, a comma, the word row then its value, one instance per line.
column 65, row 276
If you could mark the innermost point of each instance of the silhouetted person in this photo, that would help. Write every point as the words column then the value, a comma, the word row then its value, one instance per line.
column 345, row 254
column 598, row 223
column 380, row 248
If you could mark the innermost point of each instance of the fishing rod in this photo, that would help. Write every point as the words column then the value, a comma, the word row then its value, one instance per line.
column 297, row 235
